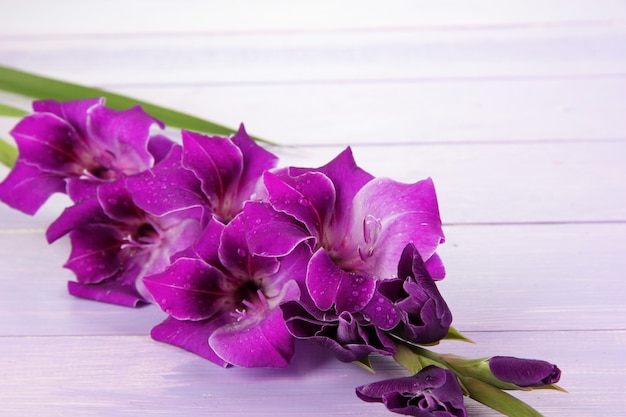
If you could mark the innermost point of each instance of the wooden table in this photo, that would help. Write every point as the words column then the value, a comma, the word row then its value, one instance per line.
column 516, row 111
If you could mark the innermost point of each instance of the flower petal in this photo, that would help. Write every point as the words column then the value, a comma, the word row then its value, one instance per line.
column 95, row 253
column 123, row 136
column 84, row 213
column 189, row 335
column 49, row 143
column 408, row 213
column 26, row 188
column 117, row 202
column 348, row 336
column 75, row 111
column 259, row 221
column 256, row 160
column 189, row 289
column 435, row 267
column 329, row 285
column 309, row 197
column 167, row 187
column 235, row 255
column 217, row 163
column 382, row 312
column 428, row 317
column 207, row 244
column 347, row 179
column 251, row 343
column 110, row 291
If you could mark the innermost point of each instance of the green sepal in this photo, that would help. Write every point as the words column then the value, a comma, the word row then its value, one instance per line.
column 415, row 358
column 454, row 334
column 365, row 364
column 408, row 359
column 38, row 87
column 478, row 369
column 8, row 154
column 497, row 399
column 6, row 110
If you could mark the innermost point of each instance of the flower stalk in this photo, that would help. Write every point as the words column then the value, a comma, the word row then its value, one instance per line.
column 246, row 256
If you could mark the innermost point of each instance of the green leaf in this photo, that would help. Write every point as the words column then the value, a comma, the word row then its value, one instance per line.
column 8, row 153
column 6, row 110
column 38, row 87
column 497, row 399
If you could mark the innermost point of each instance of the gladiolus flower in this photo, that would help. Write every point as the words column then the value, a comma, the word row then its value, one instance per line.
column 65, row 142
column 116, row 242
column 432, row 392
column 223, row 298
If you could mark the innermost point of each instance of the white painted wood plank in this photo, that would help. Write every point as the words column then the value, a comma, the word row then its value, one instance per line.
column 478, row 183
column 118, row 16
column 506, row 277
column 104, row 376
column 350, row 56
column 454, row 111
column 536, row 277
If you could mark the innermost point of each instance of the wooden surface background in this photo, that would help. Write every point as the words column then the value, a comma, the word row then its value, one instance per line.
column 516, row 110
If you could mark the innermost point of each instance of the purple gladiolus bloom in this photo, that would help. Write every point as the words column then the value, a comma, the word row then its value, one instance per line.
column 524, row 372
column 432, row 392
column 362, row 222
column 342, row 311
column 350, row 313
column 348, row 335
column 425, row 316
column 229, row 170
column 116, row 242
column 361, row 225
column 65, row 142
column 223, row 296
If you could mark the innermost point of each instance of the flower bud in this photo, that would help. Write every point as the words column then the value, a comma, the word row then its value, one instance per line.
column 524, row 372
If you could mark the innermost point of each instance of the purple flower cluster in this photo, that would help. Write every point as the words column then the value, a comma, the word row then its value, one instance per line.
column 243, row 256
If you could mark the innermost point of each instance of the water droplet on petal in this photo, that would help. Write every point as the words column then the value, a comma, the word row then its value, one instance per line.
column 241, row 252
